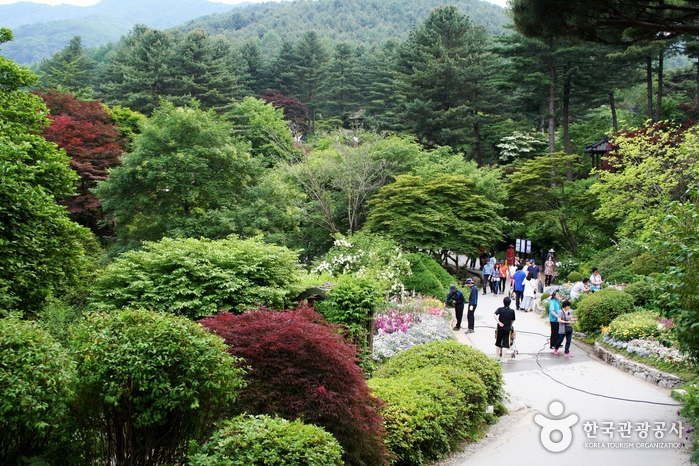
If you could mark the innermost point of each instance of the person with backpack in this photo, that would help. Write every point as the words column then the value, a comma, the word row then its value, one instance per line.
column 504, row 316
column 457, row 298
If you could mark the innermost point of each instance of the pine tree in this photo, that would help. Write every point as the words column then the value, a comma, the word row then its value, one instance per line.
column 69, row 70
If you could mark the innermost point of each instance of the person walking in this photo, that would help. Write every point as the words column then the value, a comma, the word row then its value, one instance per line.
column 565, row 328
column 504, row 316
column 510, row 254
column 554, row 309
column 530, row 287
column 457, row 298
column 472, row 303
column 487, row 272
column 549, row 270
column 503, row 276
column 519, row 277
column 495, row 281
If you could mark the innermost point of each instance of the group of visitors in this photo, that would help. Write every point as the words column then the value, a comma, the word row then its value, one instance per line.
column 524, row 285
column 457, row 299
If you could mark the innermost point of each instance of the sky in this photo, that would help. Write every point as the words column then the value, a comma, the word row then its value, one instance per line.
column 92, row 2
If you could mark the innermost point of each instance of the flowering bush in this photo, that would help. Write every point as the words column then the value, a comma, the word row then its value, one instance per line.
column 394, row 321
column 635, row 325
column 367, row 256
column 429, row 328
column 647, row 348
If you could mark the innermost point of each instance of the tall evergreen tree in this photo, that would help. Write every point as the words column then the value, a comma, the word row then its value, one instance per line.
column 441, row 75
column 69, row 70
column 342, row 88
column 310, row 71
column 137, row 73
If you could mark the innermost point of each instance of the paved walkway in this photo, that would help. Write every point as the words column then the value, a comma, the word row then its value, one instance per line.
column 534, row 380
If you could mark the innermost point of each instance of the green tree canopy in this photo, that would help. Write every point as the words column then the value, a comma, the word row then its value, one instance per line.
column 444, row 212
column 184, row 178
column 650, row 168
column 41, row 249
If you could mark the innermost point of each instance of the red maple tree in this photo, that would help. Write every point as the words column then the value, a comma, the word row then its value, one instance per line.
column 94, row 144
column 300, row 367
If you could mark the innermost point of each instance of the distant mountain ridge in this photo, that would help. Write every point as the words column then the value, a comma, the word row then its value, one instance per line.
column 365, row 21
column 41, row 30
column 369, row 22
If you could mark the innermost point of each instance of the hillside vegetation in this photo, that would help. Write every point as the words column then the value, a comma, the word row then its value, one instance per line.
column 41, row 30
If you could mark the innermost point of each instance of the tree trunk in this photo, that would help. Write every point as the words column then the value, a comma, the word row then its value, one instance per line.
column 649, row 85
column 612, row 106
column 659, row 105
column 479, row 148
column 566, row 110
column 552, row 99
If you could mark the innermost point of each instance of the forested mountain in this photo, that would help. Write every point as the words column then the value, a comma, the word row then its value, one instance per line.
column 41, row 30
column 364, row 21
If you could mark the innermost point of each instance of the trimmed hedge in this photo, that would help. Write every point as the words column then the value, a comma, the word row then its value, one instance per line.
column 600, row 308
column 263, row 440
column 640, row 324
column 428, row 277
column 450, row 353
column 36, row 376
column 575, row 277
column 429, row 411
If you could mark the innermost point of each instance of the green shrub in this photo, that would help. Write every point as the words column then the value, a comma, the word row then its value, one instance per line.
column 623, row 276
column 616, row 258
column 352, row 303
column 428, row 277
column 544, row 296
column 263, row 440
column 634, row 325
column 600, row 308
column 641, row 291
column 575, row 277
column 148, row 383
column 429, row 411
column 450, row 353
column 36, row 376
column 194, row 278
column 690, row 410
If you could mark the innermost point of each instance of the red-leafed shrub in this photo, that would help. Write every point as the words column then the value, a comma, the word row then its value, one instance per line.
column 93, row 143
column 300, row 367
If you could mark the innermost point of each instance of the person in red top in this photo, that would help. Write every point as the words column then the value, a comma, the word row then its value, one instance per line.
column 511, row 255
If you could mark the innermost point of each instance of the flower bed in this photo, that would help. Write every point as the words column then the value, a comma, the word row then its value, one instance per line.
column 413, row 321
column 654, row 350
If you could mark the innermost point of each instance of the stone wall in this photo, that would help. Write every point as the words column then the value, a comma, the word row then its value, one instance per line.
column 662, row 379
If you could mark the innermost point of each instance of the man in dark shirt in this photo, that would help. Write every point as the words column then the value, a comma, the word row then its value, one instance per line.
column 519, row 277
column 457, row 297
column 472, row 303
column 504, row 316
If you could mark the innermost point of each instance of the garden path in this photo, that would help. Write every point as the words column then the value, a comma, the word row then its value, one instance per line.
column 535, row 378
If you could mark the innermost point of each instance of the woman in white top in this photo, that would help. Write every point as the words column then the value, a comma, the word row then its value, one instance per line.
column 596, row 280
column 530, row 286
